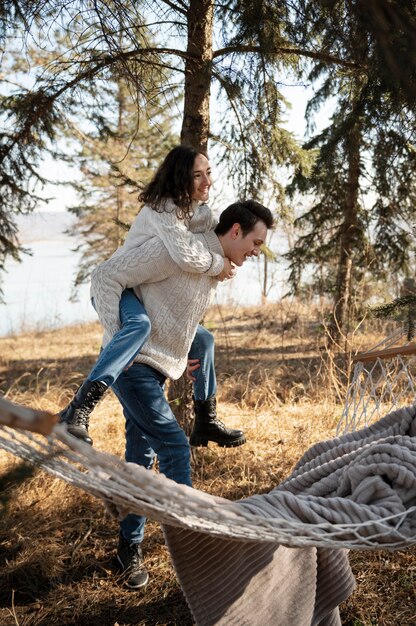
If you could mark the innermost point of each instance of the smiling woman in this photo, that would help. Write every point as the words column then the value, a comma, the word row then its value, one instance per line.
column 202, row 178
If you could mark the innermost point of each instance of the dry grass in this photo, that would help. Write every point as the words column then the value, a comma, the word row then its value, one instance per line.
column 57, row 544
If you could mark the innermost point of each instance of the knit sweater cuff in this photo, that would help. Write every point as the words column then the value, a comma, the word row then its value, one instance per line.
column 213, row 244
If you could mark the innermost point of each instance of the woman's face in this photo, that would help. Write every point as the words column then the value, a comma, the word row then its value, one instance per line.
column 201, row 175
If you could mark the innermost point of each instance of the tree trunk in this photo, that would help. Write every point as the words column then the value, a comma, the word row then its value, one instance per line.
column 342, row 299
column 180, row 397
column 198, row 73
column 120, row 189
column 195, row 133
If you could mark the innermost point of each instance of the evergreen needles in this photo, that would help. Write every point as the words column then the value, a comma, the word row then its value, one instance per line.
column 402, row 309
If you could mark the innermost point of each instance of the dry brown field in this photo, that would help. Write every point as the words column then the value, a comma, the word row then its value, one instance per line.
column 57, row 544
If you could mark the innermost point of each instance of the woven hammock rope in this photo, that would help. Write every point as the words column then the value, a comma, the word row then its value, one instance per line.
column 376, row 389
column 378, row 386
column 131, row 488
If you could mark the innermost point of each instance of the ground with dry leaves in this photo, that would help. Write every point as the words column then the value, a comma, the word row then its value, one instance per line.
column 57, row 544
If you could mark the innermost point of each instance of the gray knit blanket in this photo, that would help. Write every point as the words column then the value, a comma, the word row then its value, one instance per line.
column 364, row 482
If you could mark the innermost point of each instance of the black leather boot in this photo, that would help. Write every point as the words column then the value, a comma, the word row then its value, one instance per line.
column 130, row 557
column 208, row 427
column 77, row 414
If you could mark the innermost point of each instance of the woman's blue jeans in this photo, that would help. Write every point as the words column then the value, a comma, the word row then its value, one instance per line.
column 134, row 332
column 151, row 428
column 126, row 344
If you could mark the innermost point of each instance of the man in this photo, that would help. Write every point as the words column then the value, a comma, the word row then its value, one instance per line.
column 175, row 301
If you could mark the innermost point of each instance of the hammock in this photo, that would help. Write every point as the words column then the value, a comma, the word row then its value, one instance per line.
column 297, row 513
column 234, row 560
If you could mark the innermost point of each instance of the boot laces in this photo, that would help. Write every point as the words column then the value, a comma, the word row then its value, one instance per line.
column 135, row 557
column 226, row 431
column 93, row 395
column 91, row 400
column 82, row 416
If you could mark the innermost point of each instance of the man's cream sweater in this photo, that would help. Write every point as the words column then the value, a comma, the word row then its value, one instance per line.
column 172, row 272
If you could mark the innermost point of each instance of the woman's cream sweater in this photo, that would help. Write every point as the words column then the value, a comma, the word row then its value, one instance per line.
column 172, row 267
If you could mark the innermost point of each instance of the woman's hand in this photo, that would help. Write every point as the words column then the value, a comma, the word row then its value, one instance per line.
column 228, row 270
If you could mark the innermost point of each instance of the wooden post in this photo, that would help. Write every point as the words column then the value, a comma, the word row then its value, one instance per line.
column 22, row 417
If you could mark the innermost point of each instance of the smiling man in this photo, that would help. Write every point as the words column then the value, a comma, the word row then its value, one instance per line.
column 242, row 230
column 175, row 301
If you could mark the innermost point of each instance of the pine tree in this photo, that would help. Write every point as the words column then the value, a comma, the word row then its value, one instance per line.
column 155, row 43
column 364, row 150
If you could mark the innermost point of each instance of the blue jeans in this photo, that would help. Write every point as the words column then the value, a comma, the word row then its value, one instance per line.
column 134, row 332
column 126, row 343
column 151, row 428
column 202, row 348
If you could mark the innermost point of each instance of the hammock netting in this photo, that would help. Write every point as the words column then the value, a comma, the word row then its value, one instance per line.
column 379, row 385
column 355, row 491
column 318, row 505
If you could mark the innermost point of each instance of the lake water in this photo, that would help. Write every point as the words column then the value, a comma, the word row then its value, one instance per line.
column 37, row 291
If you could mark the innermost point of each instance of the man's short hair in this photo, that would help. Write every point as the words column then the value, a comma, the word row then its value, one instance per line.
column 246, row 213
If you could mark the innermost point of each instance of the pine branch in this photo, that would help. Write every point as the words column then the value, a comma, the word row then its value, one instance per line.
column 402, row 309
column 319, row 56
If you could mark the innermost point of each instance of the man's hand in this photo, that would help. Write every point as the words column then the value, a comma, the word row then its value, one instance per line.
column 192, row 365
column 228, row 270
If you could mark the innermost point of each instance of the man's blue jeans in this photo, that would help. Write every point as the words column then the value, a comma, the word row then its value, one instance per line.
column 151, row 428
column 134, row 332
column 202, row 348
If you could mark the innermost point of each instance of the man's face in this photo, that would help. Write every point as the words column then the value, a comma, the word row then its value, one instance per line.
column 242, row 247
column 201, row 174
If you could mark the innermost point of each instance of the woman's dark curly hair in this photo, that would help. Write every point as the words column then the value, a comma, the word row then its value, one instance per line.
column 173, row 180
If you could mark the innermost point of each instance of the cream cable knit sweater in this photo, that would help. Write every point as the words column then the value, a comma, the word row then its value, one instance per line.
column 177, row 235
column 175, row 294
